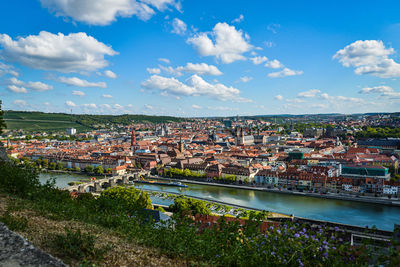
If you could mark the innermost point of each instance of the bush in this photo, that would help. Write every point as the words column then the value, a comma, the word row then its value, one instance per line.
column 77, row 245
column 14, row 223
column 183, row 205
column 18, row 180
column 130, row 199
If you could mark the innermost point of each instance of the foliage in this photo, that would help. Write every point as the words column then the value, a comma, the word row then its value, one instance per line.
column 14, row 223
column 130, row 198
column 77, row 245
column 89, row 168
column 379, row 132
column 2, row 123
column 21, row 181
column 175, row 172
column 99, row 170
column 183, row 205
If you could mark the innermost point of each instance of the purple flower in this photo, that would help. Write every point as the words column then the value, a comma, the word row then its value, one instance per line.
column 336, row 228
column 273, row 253
column 334, row 248
column 278, row 231
column 340, row 240
column 262, row 243
column 332, row 237
column 300, row 263
column 320, row 248
column 325, row 255
column 324, row 242
column 296, row 235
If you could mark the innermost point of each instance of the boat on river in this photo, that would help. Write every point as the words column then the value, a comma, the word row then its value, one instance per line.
column 177, row 184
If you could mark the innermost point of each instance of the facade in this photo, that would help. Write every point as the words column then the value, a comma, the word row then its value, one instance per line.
column 71, row 131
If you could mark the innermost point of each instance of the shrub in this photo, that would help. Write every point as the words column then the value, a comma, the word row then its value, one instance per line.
column 18, row 180
column 130, row 199
column 14, row 223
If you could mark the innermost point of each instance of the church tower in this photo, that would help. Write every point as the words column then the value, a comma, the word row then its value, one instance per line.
column 133, row 139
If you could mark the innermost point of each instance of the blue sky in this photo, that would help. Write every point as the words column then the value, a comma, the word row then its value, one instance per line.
column 200, row 58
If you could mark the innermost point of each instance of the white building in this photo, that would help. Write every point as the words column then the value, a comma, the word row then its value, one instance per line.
column 71, row 131
column 390, row 190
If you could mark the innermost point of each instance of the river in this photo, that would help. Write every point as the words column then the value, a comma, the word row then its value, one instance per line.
column 348, row 212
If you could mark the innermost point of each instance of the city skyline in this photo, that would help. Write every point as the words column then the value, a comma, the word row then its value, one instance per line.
column 188, row 59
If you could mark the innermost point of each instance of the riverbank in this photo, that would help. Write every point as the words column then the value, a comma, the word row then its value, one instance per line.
column 377, row 200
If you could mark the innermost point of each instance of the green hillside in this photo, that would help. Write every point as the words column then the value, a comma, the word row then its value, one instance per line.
column 52, row 122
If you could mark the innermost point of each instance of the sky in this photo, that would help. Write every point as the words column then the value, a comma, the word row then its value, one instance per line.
column 200, row 58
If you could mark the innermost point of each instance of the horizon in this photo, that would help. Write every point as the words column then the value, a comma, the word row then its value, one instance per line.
column 184, row 59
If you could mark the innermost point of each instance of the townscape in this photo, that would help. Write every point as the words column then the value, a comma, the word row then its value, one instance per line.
column 250, row 152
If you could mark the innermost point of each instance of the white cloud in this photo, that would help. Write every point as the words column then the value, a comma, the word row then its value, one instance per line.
column 284, row 73
column 104, row 12
column 321, row 106
column 70, row 104
column 246, row 79
column 147, row 106
column 239, row 19
column 195, row 68
column 274, row 64
column 20, row 103
column 178, row 26
column 91, row 106
column 107, row 96
column 369, row 57
column 222, row 108
column 37, row 86
column 194, row 106
column 78, row 93
column 110, row 74
column 153, row 70
column 194, row 86
column 75, row 81
column 309, row 93
column 59, row 52
column 350, row 99
column 17, row 89
column 227, row 43
column 279, row 97
column 324, row 96
column 165, row 60
column 105, row 106
column 7, row 69
column 269, row 44
column 377, row 89
column 118, row 106
column 258, row 60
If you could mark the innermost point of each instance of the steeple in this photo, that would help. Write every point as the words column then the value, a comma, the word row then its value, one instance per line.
column 133, row 138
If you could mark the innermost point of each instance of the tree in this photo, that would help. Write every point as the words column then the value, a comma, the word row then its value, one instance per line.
column 60, row 166
column 108, row 170
column 77, row 169
column 52, row 165
column 99, row 170
column 2, row 123
column 45, row 163
column 89, row 168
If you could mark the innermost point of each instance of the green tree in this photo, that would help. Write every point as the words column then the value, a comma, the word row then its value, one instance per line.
column 59, row 166
column 108, row 170
column 89, row 168
column 2, row 123
column 52, row 166
column 77, row 169
column 129, row 198
column 99, row 170
column 45, row 163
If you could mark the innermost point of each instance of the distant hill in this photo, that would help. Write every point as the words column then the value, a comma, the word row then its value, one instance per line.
column 53, row 122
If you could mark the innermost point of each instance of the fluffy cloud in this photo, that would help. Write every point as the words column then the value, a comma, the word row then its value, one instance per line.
column 239, row 19
column 226, row 43
column 78, row 93
column 7, row 69
column 70, row 104
column 91, row 106
column 107, row 96
column 17, row 89
column 20, row 103
column 37, row 86
column 153, row 70
column 246, row 79
column 377, row 89
column 195, row 68
column 279, row 97
column 258, row 60
column 369, row 57
column 75, row 81
column 194, row 86
column 178, row 26
column 309, row 93
column 59, row 52
column 110, row 74
column 274, row 64
column 194, row 106
column 284, row 73
column 149, row 107
column 104, row 12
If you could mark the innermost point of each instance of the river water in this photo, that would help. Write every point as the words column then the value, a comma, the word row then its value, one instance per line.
column 348, row 212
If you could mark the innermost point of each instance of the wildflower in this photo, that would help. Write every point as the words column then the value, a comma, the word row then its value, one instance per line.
column 296, row 235
column 273, row 253
column 324, row 242
column 300, row 263
column 271, row 227
column 262, row 243
column 332, row 237
column 336, row 228
column 325, row 255
column 340, row 239
column 278, row 231
column 334, row 248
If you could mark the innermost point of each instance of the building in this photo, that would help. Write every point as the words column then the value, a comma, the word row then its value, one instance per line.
column 71, row 131
column 313, row 132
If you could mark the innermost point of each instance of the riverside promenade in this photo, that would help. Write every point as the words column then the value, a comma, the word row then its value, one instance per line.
column 373, row 200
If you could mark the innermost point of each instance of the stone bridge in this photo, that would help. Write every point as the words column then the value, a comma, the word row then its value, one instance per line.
column 99, row 185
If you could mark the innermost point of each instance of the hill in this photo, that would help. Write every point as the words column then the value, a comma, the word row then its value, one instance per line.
column 52, row 122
